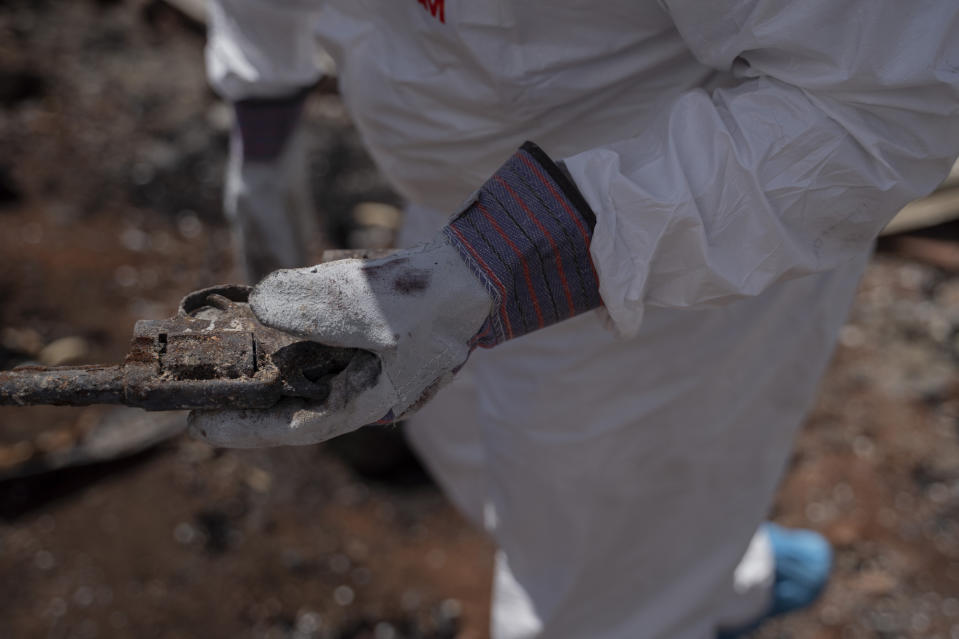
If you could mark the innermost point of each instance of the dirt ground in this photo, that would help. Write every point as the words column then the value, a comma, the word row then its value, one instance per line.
column 110, row 178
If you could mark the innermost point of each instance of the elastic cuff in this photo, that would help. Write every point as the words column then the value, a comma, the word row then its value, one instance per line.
column 265, row 124
column 525, row 234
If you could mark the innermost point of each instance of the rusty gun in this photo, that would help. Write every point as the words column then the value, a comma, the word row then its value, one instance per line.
column 212, row 354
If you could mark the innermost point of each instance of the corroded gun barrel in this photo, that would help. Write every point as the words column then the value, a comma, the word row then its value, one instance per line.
column 63, row 385
column 213, row 354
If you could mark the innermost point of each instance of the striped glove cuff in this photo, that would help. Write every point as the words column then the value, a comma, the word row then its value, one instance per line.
column 525, row 234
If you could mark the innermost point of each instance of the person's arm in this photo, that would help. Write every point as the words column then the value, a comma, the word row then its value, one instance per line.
column 845, row 111
column 262, row 49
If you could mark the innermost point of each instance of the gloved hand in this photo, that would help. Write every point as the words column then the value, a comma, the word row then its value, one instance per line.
column 267, row 199
column 415, row 310
column 514, row 260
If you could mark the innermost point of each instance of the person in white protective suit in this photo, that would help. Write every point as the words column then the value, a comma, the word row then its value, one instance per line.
column 709, row 177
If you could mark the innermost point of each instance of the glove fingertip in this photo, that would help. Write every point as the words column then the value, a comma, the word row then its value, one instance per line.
column 274, row 300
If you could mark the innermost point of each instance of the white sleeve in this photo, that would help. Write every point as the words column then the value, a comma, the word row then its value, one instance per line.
column 262, row 48
column 845, row 111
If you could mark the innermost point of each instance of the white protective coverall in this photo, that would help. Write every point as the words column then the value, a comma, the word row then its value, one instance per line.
column 740, row 156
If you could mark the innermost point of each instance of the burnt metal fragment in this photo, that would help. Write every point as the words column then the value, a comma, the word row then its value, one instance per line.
column 213, row 354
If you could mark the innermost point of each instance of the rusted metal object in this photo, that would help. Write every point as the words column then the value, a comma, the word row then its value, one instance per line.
column 213, row 354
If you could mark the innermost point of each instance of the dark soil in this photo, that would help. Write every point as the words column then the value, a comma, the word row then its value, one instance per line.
column 110, row 211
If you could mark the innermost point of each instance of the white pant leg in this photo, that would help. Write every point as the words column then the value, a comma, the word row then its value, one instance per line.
column 626, row 479
column 623, row 479
column 446, row 433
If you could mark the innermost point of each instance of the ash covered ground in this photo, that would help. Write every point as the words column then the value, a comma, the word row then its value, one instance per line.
column 110, row 211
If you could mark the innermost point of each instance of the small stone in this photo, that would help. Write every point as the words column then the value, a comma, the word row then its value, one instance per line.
column 259, row 480
column 194, row 452
column 159, row 155
column 818, row 512
column 189, row 224
column 371, row 237
column 851, row 336
column 384, row 630
column 308, row 622
column 377, row 214
column 863, row 447
column 343, row 595
column 23, row 340
column 875, row 583
column 55, row 440
column 16, row 454
column 134, row 239
column 844, row 534
column 220, row 116
column 451, row 609
column 63, row 351
column 184, row 533
column 911, row 276
column 357, row 550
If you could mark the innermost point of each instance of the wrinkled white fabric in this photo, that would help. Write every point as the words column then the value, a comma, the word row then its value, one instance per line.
column 270, row 208
column 843, row 112
column 262, row 48
column 740, row 157
column 825, row 103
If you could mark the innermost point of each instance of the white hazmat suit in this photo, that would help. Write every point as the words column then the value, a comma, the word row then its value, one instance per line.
column 740, row 156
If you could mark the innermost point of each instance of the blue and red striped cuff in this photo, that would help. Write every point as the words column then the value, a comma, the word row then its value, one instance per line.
column 525, row 234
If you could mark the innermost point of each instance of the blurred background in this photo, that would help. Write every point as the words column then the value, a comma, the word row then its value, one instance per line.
column 113, row 523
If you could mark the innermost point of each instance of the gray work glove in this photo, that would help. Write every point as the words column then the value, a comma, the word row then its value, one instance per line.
column 415, row 310
column 514, row 260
